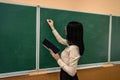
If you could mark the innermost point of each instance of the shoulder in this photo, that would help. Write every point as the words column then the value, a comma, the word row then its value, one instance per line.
column 71, row 47
column 74, row 48
column 74, row 51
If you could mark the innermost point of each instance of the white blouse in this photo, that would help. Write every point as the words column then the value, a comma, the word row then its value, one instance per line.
column 69, row 57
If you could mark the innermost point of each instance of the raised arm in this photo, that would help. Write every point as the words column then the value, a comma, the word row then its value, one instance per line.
column 56, row 34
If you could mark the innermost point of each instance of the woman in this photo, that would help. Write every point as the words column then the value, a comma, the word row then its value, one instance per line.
column 74, row 49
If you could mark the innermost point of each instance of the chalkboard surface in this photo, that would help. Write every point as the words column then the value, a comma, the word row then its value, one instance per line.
column 115, row 45
column 96, row 30
column 17, row 38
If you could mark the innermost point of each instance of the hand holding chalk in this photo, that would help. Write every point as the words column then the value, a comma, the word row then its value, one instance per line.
column 51, row 23
column 48, row 20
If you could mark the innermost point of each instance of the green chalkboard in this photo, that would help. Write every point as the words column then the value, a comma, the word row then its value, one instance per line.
column 96, row 30
column 17, row 38
column 115, row 46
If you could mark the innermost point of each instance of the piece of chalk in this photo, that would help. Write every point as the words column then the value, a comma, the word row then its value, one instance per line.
column 40, row 72
column 108, row 65
column 48, row 20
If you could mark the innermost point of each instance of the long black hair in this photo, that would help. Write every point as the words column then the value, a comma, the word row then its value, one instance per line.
column 75, row 35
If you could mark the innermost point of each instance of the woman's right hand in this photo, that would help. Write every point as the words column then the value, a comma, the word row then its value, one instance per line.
column 51, row 23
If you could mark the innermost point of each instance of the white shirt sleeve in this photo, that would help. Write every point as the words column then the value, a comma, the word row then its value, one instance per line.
column 59, row 38
column 71, row 68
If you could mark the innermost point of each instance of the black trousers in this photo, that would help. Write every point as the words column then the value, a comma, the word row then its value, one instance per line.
column 66, row 76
